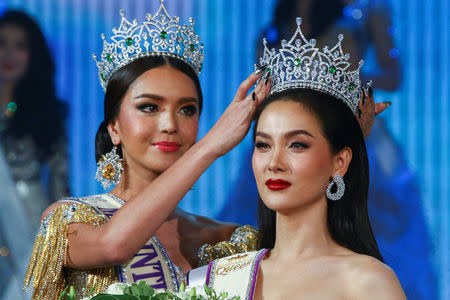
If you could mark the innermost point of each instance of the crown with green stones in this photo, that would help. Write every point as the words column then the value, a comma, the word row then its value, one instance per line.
column 300, row 64
column 159, row 35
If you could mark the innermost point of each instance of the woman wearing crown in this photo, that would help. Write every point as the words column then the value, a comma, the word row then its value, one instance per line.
column 311, row 169
column 147, row 146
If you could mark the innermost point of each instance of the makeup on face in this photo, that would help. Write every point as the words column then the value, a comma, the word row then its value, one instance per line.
column 277, row 184
column 166, row 146
column 292, row 160
column 158, row 119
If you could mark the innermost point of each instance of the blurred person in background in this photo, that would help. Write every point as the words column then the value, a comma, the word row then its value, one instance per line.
column 33, row 162
column 395, row 207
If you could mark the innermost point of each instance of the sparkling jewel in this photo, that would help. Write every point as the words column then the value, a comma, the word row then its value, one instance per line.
column 340, row 188
column 299, row 64
column 109, row 168
column 108, row 172
column 332, row 69
column 159, row 35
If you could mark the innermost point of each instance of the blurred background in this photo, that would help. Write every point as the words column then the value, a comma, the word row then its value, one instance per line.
column 405, row 45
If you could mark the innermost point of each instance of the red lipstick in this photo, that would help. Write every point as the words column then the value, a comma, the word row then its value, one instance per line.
column 167, row 146
column 277, row 184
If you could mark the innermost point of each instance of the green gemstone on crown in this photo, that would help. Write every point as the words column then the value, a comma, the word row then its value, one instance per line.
column 192, row 47
column 332, row 69
column 103, row 76
column 351, row 86
column 297, row 62
column 109, row 58
column 129, row 41
column 163, row 35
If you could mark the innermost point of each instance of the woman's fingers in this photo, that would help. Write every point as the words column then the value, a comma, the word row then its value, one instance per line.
column 260, row 93
column 381, row 106
column 370, row 94
column 265, row 90
column 245, row 87
column 368, row 109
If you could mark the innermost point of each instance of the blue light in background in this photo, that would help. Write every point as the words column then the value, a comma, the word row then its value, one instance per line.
column 73, row 28
column 394, row 53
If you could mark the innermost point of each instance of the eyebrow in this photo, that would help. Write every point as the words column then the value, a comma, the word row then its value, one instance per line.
column 160, row 98
column 289, row 134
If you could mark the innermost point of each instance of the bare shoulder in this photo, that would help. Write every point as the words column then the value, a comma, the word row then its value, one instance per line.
column 369, row 278
column 51, row 208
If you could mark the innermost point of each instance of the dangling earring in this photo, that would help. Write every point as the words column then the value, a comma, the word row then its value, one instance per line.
column 340, row 188
column 109, row 168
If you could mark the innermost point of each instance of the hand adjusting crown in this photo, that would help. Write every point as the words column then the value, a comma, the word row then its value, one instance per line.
column 160, row 35
column 299, row 64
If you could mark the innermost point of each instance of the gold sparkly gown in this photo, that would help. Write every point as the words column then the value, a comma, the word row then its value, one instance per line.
column 47, row 277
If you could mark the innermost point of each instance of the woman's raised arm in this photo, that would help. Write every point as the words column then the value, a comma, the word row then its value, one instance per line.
column 135, row 222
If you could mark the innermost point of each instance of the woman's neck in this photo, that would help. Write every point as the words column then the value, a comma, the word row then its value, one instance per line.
column 133, row 181
column 303, row 233
column 6, row 91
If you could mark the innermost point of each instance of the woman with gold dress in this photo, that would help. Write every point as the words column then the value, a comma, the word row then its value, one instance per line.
column 153, row 100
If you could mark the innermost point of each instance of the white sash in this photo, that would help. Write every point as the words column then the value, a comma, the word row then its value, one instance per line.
column 235, row 274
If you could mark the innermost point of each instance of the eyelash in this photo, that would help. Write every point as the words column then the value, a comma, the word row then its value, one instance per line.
column 294, row 145
column 298, row 145
column 188, row 110
column 148, row 107
column 261, row 146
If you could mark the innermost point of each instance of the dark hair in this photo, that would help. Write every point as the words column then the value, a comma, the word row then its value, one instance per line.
column 118, row 85
column 348, row 220
column 39, row 113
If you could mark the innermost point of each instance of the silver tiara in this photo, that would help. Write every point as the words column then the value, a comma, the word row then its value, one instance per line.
column 159, row 35
column 300, row 64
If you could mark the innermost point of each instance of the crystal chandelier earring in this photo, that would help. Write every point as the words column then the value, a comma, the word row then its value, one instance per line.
column 109, row 168
column 339, row 181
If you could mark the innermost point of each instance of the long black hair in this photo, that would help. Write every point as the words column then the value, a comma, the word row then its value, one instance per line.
column 118, row 85
column 347, row 218
column 40, row 113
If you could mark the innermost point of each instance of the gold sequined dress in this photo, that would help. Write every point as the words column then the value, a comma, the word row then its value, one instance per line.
column 47, row 277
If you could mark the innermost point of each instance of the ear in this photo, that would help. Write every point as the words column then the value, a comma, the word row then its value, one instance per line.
column 341, row 161
column 114, row 132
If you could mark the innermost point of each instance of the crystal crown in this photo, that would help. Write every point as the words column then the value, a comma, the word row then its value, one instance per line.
column 159, row 35
column 300, row 64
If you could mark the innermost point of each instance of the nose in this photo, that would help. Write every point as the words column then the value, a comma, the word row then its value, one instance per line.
column 276, row 162
column 167, row 123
